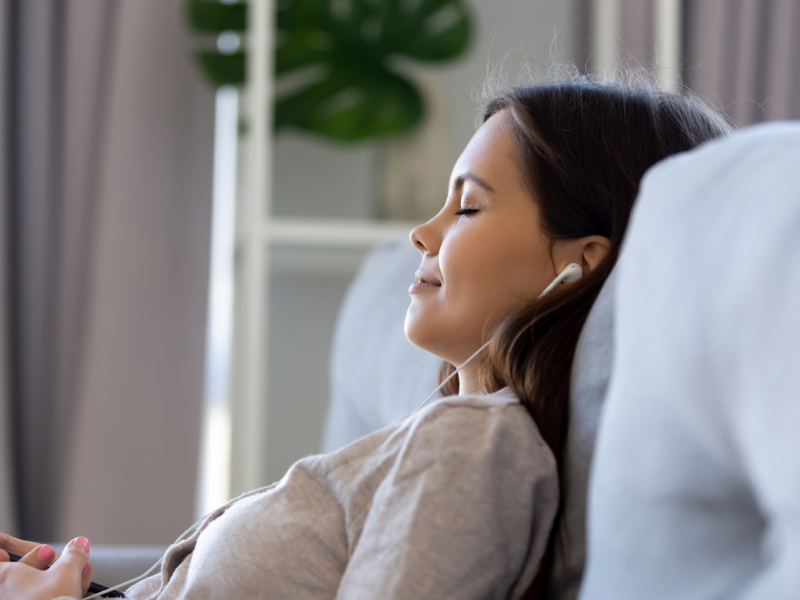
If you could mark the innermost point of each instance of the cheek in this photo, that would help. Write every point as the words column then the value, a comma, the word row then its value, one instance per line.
column 450, row 319
column 528, row 273
column 488, row 273
column 470, row 282
column 496, row 273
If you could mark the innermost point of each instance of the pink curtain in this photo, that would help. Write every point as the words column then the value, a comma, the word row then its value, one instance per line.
column 742, row 56
column 636, row 40
column 105, row 203
column 57, row 67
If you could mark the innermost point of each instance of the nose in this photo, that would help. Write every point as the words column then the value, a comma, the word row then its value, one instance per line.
column 416, row 240
column 423, row 239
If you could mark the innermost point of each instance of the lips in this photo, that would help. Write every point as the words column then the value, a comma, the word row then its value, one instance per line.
column 424, row 278
column 424, row 282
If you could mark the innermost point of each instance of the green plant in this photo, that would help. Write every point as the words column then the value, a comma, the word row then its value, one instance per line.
column 338, row 63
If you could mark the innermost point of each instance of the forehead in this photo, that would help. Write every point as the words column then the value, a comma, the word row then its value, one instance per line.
column 491, row 153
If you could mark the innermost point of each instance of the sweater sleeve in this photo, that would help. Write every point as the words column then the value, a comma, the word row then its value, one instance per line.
column 465, row 511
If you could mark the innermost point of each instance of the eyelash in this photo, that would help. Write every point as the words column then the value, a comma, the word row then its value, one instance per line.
column 467, row 212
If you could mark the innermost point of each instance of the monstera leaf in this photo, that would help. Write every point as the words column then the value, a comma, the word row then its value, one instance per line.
column 214, row 18
column 336, row 61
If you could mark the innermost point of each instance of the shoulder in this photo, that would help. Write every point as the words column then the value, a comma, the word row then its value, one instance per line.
column 482, row 443
column 494, row 415
column 488, row 430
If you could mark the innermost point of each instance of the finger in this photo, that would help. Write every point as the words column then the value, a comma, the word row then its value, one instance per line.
column 75, row 556
column 12, row 544
column 40, row 557
column 86, row 577
column 4, row 557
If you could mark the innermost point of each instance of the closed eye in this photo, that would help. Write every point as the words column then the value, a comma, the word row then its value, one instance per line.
column 467, row 211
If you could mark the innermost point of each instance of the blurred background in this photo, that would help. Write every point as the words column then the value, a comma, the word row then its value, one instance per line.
column 187, row 188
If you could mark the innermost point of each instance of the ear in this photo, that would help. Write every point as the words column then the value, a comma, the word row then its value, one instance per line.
column 588, row 252
column 595, row 249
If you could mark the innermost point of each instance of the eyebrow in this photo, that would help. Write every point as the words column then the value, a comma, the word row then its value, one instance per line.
column 459, row 181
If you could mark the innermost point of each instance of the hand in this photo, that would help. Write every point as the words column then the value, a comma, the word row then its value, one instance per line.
column 70, row 575
column 20, row 547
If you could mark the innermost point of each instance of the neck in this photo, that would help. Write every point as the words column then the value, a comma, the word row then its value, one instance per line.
column 469, row 375
column 469, row 379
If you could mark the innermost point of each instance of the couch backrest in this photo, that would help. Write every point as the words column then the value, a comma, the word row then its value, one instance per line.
column 591, row 371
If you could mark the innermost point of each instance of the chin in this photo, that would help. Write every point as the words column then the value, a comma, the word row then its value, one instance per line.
column 420, row 333
column 412, row 331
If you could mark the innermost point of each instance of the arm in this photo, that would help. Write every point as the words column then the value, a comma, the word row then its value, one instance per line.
column 464, row 513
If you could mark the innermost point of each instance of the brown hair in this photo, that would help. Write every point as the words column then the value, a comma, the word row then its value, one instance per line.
column 583, row 147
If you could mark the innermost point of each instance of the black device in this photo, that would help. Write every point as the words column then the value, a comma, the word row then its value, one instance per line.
column 94, row 588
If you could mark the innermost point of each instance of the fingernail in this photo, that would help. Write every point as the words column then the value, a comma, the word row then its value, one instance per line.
column 4, row 558
column 46, row 553
column 81, row 542
column 86, row 568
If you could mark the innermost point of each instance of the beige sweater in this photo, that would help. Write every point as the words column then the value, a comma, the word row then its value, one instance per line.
column 456, row 501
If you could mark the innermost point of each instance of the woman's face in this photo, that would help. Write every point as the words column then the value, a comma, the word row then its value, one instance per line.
column 484, row 255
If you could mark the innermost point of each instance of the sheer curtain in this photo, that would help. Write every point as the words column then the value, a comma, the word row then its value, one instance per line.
column 56, row 63
column 106, row 198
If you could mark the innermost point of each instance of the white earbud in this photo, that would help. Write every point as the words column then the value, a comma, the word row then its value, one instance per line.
column 571, row 273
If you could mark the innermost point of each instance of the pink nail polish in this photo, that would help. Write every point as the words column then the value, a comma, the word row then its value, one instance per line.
column 81, row 542
column 46, row 553
column 86, row 568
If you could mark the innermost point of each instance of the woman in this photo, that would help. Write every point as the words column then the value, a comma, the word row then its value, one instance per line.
column 461, row 499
